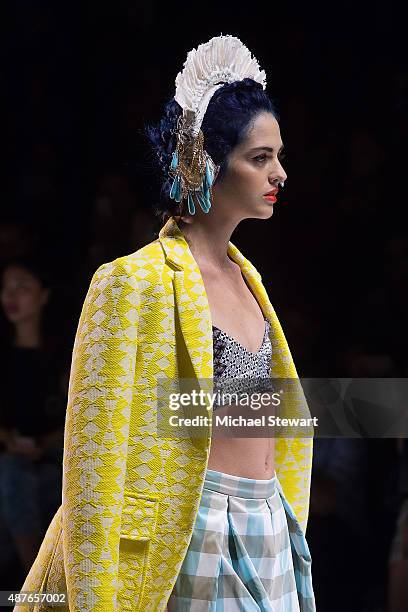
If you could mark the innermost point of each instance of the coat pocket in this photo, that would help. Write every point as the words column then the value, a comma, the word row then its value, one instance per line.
column 139, row 518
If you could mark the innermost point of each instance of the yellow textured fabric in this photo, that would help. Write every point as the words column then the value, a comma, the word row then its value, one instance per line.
column 130, row 498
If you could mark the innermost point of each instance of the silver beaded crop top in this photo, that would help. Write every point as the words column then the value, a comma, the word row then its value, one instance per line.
column 236, row 369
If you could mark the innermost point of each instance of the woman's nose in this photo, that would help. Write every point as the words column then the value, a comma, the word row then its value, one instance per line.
column 282, row 174
column 279, row 175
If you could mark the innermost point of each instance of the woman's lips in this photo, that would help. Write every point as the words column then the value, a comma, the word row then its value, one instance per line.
column 270, row 198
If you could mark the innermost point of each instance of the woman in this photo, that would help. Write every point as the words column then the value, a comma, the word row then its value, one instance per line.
column 31, row 410
column 135, row 498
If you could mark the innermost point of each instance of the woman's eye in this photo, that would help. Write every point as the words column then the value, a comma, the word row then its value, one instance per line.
column 260, row 158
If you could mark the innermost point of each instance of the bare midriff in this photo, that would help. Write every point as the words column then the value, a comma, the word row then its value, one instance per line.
column 247, row 457
column 235, row 310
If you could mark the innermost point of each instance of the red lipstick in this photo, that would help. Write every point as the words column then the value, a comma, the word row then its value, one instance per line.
column 271, row 195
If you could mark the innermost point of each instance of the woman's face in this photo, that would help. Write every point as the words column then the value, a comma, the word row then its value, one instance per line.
column 254, row 169
column 22, row 295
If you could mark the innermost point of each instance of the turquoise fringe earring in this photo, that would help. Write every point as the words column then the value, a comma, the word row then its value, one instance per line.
column 208, row 176
column 175, row 193
column 205, row 205
column 190, row 204
column 204, row 195
column 193, row 175
column 174, row 160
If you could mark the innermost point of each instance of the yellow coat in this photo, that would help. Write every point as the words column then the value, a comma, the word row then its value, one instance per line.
column 130, row 497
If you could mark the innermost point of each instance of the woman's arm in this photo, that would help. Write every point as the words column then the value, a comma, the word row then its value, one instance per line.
column 96, row 437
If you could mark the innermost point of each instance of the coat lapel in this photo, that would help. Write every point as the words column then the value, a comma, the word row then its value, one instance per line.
column 253, row 279
column 191, row 299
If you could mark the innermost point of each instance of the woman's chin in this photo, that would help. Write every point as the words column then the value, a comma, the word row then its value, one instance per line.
column 267, row 211
column 261, row 212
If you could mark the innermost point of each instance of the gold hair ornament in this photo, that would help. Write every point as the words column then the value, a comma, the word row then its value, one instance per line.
column 223, row 59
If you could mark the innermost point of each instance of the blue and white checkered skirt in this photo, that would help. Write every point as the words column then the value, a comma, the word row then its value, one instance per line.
column 247, row 552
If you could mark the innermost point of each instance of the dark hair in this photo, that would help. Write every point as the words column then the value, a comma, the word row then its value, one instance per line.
column 227, row 121
column 32, row 263
column 39, row 268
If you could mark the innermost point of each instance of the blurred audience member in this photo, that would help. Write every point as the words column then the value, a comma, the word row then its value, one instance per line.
column 32, row 410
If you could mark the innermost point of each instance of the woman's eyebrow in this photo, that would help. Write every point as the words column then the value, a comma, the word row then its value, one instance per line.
column 270, row 149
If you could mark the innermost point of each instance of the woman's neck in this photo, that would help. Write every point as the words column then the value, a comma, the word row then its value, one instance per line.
column 27, row 335
column 208, row 243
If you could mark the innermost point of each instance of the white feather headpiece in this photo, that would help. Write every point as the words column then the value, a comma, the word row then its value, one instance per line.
column 223, row 59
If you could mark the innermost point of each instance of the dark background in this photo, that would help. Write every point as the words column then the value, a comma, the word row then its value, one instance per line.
column 82, row 79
